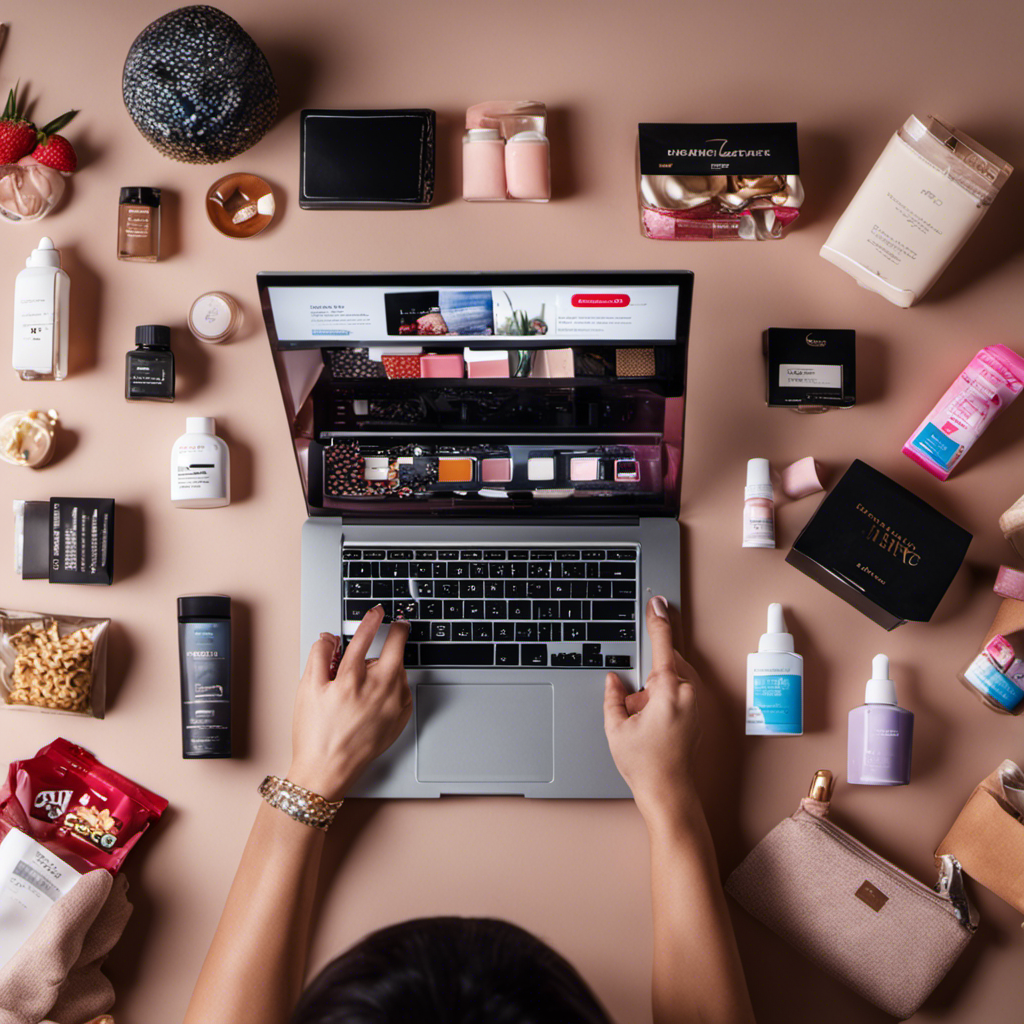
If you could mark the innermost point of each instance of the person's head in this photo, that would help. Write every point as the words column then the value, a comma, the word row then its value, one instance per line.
column 449, row 970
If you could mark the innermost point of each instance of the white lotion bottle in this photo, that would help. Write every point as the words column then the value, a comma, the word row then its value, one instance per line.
column 759, row 506
column 775, row 682
column 200, row 466
column 41, row 296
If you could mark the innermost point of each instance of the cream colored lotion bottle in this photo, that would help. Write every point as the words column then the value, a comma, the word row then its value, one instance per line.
column 41, row 298
column 916, row 208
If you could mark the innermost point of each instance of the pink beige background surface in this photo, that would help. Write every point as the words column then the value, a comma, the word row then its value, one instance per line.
column 575, row 873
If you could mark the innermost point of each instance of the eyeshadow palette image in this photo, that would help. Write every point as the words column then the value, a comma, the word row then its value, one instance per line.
column 496, row 471
column 583, row 468
column 454, row 470
column 541, row 468
column 345, row 474
column 485, row 470
column 375, row 467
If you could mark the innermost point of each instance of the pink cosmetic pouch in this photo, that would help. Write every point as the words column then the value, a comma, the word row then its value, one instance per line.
column 866, row 922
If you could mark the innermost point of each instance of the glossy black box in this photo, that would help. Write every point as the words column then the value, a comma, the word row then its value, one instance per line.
column 880, row 548
column 366, row 159
column 810, row 367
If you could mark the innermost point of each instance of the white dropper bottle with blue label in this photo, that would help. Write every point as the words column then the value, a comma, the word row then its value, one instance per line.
column 775, row 682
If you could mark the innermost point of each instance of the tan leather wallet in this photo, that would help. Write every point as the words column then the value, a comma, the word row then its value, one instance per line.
column 878, row 930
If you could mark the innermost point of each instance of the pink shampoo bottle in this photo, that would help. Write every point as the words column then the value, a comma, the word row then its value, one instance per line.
column 989, row 383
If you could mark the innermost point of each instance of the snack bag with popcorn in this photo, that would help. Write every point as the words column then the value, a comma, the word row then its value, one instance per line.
column 77, row 807
column 53, row 662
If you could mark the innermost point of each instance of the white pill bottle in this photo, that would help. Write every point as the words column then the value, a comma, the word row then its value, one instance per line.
column 200, row 466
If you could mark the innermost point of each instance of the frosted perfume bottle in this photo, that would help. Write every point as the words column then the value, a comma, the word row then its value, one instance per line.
column 881, row 733
column 916, row 208
column 41, row 296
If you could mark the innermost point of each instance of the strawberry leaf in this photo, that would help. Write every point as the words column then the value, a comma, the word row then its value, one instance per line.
column 54, row 126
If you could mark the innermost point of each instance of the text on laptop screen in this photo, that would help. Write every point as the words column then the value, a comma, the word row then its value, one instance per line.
column 617, row 312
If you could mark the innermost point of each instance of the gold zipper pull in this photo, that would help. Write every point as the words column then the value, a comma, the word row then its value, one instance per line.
column 821, row 786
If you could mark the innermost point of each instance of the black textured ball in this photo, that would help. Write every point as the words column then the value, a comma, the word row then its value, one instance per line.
column 197, row 86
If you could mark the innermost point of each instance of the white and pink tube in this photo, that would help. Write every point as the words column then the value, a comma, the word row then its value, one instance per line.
column 989, row 383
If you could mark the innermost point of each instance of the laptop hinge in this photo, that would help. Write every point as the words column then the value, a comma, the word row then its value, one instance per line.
column 632, row 521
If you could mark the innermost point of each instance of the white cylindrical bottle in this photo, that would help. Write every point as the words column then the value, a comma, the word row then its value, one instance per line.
column 200, row 466
column 759, row 506
column 775, row 682
column 41, row 294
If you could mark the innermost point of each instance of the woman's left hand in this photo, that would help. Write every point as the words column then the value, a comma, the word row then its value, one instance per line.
column 341, row 724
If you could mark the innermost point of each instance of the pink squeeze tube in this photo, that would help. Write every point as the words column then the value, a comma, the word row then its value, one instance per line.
column 991, row 381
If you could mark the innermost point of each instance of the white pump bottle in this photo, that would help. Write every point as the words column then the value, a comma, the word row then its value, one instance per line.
column 41, row 295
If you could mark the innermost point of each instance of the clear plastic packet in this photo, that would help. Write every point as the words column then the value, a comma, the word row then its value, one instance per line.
column 716, row 182
column 53, row 662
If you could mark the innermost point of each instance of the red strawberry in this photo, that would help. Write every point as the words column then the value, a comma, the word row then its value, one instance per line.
column 17, row 133
column 54, row 150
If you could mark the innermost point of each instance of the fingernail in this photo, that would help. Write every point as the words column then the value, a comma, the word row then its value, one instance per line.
column 326, row 636
column 376, row 606
column 660, row 606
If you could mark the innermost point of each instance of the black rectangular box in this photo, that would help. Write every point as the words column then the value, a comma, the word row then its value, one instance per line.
column 68, row 540
column 720, row 148
column 366, row 159
column 811, row 368
column 880, row 548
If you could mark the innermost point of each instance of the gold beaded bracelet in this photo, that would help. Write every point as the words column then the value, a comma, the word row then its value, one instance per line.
column 299, row 803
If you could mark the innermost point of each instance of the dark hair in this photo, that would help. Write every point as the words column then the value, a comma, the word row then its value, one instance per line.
column 449, row 970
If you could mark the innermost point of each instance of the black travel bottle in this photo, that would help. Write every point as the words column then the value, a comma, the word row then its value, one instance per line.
column 149, row 367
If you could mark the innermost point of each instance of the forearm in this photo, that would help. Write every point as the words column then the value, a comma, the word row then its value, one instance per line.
column 254, row 970
column 697, row 972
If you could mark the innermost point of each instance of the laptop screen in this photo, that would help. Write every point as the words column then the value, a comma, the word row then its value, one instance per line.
column 483, row 393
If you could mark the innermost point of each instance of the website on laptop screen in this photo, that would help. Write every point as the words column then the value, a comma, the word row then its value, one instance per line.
column 313, row 316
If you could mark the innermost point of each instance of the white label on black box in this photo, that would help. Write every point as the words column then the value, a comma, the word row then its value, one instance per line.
column 813, row 375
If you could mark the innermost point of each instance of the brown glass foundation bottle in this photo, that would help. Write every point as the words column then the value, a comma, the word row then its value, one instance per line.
column 138, row 225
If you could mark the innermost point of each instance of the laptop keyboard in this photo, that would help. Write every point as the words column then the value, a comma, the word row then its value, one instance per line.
column 500, row 607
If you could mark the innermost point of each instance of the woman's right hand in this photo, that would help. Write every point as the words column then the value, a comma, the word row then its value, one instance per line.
column 343, row 721
column 653, row 734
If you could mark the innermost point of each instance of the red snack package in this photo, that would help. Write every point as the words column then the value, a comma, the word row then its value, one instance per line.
column 85, row 812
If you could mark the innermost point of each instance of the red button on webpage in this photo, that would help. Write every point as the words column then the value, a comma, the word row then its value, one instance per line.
column 600, row 300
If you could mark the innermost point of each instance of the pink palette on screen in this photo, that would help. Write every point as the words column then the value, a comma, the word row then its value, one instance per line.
column 445, row 364
column 481, row 362
column 496, row 471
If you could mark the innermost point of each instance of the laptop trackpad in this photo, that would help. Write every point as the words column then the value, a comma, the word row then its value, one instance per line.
column 484, row 732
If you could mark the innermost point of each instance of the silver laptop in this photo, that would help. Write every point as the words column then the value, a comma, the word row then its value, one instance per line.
column 496, row 458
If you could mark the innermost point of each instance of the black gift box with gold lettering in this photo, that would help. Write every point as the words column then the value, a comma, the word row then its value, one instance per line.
column 880, row 548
